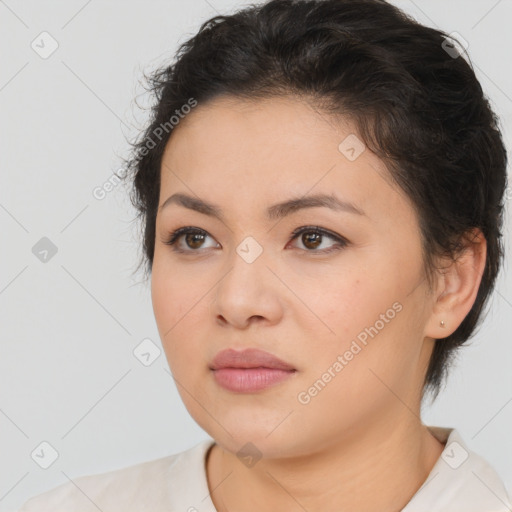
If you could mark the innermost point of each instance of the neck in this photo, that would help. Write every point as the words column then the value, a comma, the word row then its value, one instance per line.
column 358, row 473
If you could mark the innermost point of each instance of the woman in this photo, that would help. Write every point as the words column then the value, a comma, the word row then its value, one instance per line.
column 321, row 188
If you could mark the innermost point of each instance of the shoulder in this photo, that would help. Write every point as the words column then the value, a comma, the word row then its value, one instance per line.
column 461, row 479
column 145, row 486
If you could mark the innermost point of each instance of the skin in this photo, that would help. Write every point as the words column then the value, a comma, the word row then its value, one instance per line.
column 361, row 435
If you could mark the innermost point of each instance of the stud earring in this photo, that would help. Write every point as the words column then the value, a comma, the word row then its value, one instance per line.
column 441, row 323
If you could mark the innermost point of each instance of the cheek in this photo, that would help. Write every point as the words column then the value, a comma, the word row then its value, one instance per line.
column 339, row 304
column 366, row 319
column 179, row 301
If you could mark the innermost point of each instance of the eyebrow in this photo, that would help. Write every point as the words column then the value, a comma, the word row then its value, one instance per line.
column 274, row 212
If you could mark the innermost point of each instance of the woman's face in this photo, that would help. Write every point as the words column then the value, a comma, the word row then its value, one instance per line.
column 343, row 303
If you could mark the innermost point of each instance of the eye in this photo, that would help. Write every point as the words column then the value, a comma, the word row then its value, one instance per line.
column 193, row 237
column 312, row 238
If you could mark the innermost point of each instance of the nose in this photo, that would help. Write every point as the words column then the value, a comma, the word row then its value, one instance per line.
column 248, row 293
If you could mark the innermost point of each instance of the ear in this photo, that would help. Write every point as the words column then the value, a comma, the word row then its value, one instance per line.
column 457, row 286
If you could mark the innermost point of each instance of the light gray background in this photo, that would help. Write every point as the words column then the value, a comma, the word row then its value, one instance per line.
column 68, row 327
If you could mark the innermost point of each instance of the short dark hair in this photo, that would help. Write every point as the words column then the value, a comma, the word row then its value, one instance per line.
column 415, row 103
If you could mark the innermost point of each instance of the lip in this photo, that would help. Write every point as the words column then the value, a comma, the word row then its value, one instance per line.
column 249, row 370
column 248, row 358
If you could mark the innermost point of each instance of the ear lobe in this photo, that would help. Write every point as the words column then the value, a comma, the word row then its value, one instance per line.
column 457, row 286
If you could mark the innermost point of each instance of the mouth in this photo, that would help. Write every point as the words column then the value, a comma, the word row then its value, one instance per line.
column 249, row 380
column 250, row 370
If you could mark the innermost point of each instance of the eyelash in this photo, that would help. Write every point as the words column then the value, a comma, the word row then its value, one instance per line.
column 178, row 233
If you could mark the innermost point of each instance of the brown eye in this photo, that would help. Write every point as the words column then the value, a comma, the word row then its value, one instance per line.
column 311, row 240
column 312, row 237
column 193, row 238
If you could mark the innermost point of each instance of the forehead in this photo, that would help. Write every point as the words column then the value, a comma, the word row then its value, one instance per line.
column 274, row 148
column 228, row 128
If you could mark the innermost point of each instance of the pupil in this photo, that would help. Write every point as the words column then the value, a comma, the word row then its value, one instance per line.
column 192, row 236
column 312, row 237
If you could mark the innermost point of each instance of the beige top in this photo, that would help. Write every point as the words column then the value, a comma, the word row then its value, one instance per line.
column 460, row 481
